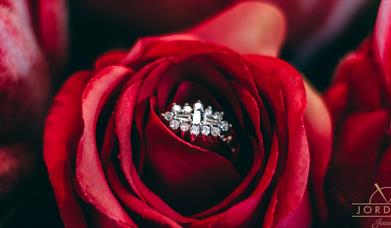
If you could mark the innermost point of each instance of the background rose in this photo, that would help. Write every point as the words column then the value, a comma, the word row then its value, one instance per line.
column 360, row 101
column 122, row 91
column 32, row 33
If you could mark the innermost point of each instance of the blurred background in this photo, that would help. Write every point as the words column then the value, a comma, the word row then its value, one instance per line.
column 319, row 32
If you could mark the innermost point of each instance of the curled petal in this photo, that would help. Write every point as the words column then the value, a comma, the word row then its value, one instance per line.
column 93, row 186
column 62, row 133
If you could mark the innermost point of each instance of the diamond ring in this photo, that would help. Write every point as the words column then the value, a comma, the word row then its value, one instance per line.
column 198, row 121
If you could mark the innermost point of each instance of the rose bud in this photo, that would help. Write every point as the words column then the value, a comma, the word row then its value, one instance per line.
column 359, row 100
column 124, row 146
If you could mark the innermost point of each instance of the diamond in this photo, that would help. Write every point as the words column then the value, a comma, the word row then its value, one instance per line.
column 195, row 130
column 197, row 120
column 224, row 125
column 185, row 127
column 187, row 108
column 198, row 105
column 205, row 130
column 215, row 131
column 218, row 116
column 208, row 111
column 168, row 116
column 176, row 108
column 184, row 117
column 174, row 124
column 197, row 117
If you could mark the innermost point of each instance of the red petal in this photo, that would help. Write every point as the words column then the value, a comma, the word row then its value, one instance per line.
column 147, row 213
column 91, row 179
column 124, row 119
column 301, row 217
column 246, row 212
column 293, row 181
column 110, row 58
column 185, row 173
column 62, row 131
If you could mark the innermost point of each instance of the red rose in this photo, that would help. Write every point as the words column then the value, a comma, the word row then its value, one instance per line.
column 114, row 162
column 360, row 102
column 26, row 36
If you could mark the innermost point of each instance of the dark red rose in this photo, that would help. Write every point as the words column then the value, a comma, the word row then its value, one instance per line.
column 26, row 35
column 360, row 101
column 113, row 162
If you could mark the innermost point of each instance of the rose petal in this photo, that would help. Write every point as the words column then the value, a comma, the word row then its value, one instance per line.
column 257, row 157
column 110, row 58
column 124, row 119
column 139, row 207
column 125, row 112
column 62, row 131
column 301, row 217
column 90, row 176
column 246, row 212
column 293, row 181
column 187, row 178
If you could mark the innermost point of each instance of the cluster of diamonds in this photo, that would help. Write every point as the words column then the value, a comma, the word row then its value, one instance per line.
column 197, row 120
